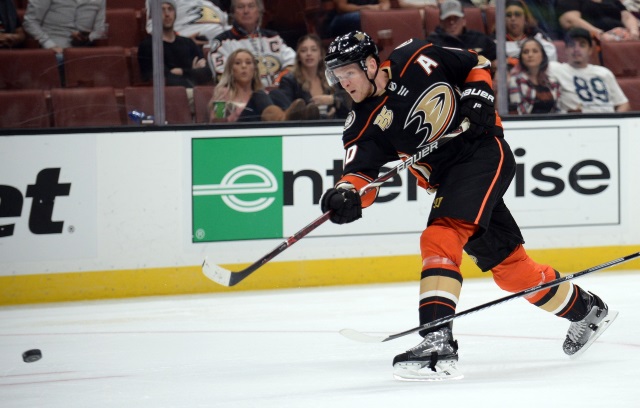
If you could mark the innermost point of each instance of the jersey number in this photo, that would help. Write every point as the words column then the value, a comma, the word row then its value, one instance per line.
column 594, row 89
column 350, row 154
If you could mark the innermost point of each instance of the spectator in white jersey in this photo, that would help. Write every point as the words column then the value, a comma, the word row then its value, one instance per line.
column 586, row 87
column 272, row 54
column 200, row 20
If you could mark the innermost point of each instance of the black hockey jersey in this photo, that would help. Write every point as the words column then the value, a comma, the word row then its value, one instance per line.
column 419, row 105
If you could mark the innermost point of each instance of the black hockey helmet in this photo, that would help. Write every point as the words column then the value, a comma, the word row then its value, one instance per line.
column 350, row 48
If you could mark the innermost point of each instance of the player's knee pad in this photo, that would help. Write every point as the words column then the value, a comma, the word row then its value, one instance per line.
column 519, row 272
column 441, row 243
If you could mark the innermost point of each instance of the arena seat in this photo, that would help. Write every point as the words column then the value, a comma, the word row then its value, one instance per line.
column 201, row 97
column 29, row 69
column 96, row 67
column 621, row 57
column 24, row 109
column 116, row 4
column 631, row 88
column 79, row 107
column 474, row 19
column 431, row 19
column 124, row 28
column 177, row 109
column 404, row 23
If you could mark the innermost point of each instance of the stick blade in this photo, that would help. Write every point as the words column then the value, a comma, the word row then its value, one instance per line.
column 216, row 273
column 361, row 337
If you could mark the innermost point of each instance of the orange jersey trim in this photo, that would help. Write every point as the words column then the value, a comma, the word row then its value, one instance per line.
column 359, row 181
column 412, row 57
column 437, row 303
column 493, row 183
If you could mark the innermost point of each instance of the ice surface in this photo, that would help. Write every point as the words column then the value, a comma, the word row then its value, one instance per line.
column 282, row 349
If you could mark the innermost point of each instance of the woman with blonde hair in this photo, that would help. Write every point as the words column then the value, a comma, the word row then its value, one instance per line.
column 239, row 95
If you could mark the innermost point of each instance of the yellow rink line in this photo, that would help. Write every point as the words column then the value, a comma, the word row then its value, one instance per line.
column 71, row 286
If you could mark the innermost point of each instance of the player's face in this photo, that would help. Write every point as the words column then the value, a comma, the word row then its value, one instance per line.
column 168, row 16
column 579, row 52
column 453, row 25
column 309, row 54
column 246, row 14
column 243, row 67
column 531, row 55
column 515, row 21
column 354, row 80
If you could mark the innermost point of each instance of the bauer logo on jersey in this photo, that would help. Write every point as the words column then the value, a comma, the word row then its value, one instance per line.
column 432, row 112
column 384, row 119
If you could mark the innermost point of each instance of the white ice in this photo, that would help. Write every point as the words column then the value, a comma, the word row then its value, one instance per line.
column 281, row 348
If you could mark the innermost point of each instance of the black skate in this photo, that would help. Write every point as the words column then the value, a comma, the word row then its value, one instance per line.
column 433, row 359
column 583, row 333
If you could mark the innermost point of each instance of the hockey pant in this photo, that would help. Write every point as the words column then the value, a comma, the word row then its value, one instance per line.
column 441, row 246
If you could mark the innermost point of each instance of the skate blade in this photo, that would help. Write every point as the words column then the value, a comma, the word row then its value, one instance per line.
column 445, row 371
column 604, row 325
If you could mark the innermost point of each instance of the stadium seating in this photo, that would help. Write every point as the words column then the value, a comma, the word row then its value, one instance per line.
column 404, row 23
column 177, row 109
column 431, row 19
column 201, row 97
column 95, row 67
column 85, row 107
column 116, row 4
column 631, row 88
column 29, row 69
column 24, row 109
column 124, row 28
column 474, row 19
column 621, row 57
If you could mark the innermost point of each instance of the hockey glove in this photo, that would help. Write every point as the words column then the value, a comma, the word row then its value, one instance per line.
column 345, row 204
column 477, row 104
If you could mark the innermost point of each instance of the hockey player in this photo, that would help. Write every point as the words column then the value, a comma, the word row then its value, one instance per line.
column 420, row 93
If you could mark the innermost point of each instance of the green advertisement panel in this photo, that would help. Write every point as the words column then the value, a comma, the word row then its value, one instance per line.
column 237, row 188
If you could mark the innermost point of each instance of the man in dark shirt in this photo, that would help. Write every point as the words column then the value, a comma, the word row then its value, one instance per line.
column 453, row 32
column 184, row 64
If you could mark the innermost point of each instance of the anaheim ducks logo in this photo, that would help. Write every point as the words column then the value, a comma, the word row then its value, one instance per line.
column 434, row 111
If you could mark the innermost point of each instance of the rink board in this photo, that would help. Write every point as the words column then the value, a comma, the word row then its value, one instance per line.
column 114, row 214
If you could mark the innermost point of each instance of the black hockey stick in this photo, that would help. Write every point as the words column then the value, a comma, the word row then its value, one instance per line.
column 365, row 338
column 226, row 277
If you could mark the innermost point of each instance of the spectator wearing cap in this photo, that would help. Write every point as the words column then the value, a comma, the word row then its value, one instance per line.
column 452, row 32
column 586, row 87
column 184, row 64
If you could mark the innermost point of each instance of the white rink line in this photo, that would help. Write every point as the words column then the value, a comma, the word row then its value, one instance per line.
column 281, row 349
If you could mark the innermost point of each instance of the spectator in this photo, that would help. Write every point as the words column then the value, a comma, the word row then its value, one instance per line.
column 272, row 53
column 347, row 17
column 184, row 64
column 240, row 89
column 58, row 24
column 585, row 87
column 307, row 81
column 11, row 31
column 530, row 89
column 543, row 12
column 606, row 20
column 200, row 20
column 453, row 32
column 520, row 26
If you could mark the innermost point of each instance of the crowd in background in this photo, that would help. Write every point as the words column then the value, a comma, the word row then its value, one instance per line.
column 250, row 69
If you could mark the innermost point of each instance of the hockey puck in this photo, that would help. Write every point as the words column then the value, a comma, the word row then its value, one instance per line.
column 31, row 356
